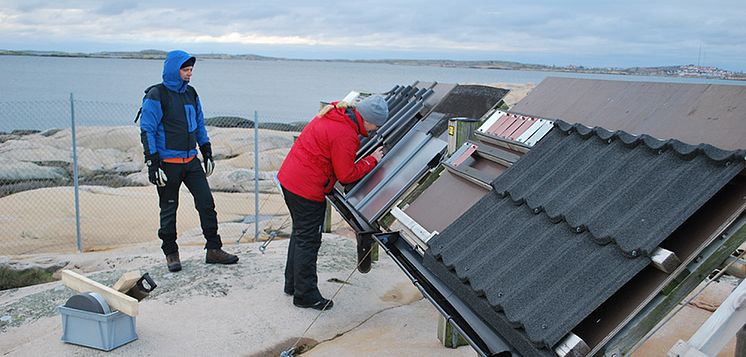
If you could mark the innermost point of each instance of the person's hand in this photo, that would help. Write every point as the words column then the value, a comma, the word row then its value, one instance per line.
column 206, row 150
column 378, row 154
column 209, row 167
column 156, row 176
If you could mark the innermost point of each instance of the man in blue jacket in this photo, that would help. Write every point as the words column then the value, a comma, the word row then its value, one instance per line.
column 171, row 127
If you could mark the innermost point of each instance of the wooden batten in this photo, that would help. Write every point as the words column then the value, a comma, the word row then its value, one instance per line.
column 127, row 281
column 572, row 346
column 115, row 299
column 665, row 260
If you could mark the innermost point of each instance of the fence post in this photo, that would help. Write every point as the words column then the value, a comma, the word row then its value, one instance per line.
column 78, row 242
column 256, row 176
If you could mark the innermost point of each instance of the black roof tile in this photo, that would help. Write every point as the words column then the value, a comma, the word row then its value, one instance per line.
column 569, row 224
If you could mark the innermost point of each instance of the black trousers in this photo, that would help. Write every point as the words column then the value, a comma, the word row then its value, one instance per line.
column 300, row 271
column 192, row 175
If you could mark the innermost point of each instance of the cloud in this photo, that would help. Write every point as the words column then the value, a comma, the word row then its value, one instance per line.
column 625, row 33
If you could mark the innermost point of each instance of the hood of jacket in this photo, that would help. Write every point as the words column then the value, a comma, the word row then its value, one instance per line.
column 171, row 66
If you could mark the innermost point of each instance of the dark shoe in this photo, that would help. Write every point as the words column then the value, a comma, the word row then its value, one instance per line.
column 323, row 304
column 219, row 256
column 173, row 262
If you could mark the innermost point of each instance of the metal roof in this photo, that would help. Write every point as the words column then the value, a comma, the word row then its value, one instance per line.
column 569, row 224
column 693, row 113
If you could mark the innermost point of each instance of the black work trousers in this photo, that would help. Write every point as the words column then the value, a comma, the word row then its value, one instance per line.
column 300, row 271
column 192, row 175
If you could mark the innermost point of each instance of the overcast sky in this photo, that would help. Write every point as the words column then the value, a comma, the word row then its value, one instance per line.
column 590, row 33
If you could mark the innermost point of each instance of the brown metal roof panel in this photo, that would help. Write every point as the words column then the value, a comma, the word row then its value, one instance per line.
column 507, row 132
column 503, row 124
column 693, row 113
column 528, row 122
column 444, row 201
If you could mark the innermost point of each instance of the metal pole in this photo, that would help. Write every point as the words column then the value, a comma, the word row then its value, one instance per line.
column 256, row 176
column 78, row 242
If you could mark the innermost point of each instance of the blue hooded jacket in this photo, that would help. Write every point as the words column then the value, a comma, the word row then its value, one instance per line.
column 177, row 132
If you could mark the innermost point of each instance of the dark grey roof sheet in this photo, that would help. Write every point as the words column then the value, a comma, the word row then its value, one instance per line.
column 569, row 224
column 694, row 113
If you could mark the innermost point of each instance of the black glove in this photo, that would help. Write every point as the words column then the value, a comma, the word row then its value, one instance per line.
column 206, row 150
column 156, row 176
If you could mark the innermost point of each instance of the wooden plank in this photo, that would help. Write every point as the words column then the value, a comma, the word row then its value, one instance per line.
column 665, row 260
column 115, row 299
column 572, row 346
column 127, row 281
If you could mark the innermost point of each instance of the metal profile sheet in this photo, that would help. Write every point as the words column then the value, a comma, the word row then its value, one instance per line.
column 503, row 124
column 444, row 201
column 693, row 113
column 517, row 122
column 527, row 123
column 491, row 121
column 398, row 170
column 462, row 153
column 537, row 131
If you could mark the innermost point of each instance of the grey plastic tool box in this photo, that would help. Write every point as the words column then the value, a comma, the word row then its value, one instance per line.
column 102, row 331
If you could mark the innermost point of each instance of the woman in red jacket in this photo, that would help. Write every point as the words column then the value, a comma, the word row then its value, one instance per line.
column 324, row 152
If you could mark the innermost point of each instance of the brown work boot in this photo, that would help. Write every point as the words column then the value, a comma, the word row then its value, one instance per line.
column 219, row 256
column 173, row 262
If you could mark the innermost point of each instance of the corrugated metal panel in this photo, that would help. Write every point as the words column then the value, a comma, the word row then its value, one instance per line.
column 693, row 113
column 533, row 257
column 398, row 169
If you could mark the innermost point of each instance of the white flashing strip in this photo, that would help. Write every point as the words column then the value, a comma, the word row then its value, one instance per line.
column 491, row 121
column 546, row 126
column 412, row 225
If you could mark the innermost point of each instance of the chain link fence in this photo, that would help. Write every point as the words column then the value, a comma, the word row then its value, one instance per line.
column 73, row 178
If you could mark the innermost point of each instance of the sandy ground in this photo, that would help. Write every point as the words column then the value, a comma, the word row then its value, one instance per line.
column 238, row 310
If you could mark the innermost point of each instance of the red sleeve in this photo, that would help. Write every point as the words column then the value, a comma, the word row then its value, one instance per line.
column 344, row 150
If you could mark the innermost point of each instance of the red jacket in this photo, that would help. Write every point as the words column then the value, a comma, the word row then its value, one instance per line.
column 324, row 152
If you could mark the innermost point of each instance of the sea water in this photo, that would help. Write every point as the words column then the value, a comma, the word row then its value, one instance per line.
column 35, row 91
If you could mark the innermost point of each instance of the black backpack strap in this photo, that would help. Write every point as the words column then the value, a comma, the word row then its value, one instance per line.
column 351, row 114
column 162, row 94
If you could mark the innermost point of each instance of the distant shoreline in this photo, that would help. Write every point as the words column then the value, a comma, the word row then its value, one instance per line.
column 675, row 71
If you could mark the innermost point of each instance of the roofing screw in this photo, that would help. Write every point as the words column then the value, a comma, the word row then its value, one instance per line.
column 660, row 152
column 499, row 294
column 544, row 326
column 536, row 210
column 634, row 253
column 609, row 141
column 578, row 229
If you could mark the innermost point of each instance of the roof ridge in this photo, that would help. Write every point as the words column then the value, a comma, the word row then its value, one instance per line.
column 684, row 150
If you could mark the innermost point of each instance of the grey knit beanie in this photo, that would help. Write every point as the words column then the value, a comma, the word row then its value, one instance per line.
column 374, row 110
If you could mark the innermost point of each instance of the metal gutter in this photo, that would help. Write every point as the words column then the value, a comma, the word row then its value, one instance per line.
column 482, row 338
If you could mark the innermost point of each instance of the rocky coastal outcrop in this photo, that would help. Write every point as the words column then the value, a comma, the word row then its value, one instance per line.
column 112, row 156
